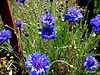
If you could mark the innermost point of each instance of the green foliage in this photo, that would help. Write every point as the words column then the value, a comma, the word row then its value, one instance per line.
column 68, row 50
column 97, row 7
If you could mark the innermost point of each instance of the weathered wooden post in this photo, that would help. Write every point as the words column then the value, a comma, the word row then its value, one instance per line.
column 7, row 17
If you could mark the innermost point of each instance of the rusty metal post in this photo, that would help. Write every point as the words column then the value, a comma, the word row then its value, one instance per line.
column 7, row 18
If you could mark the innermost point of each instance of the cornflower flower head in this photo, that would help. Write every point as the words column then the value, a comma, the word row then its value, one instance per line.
column 19, row 24
column 5, row 35
column 98, row 17
column 95, row 22
column 48, row 19
column 73, row 15
column 21, row 1
column 90, row 63
column 96, row 29
column 48, row 33
column 38, row 63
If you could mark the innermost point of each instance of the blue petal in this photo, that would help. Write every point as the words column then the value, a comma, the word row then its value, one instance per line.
column 96, row 29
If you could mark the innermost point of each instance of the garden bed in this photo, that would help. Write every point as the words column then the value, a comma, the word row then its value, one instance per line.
column 56, row 37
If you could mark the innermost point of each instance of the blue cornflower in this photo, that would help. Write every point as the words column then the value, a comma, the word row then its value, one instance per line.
column 22, row 25
column 21, row 1
column 19, row 24
column 48, row 19
column 5, row 35
column 73, row 15
column 38, row 63
column 96, row 29
column 95, row 22
column 48, row 33
column 98, row 17
column 90, row 63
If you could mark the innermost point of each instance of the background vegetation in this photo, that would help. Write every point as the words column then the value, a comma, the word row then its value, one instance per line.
column 68, row 51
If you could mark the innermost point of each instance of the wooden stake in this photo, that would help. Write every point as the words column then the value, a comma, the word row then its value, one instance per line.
column 7, row 19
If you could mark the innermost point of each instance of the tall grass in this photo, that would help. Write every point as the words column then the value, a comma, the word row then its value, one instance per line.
column 68, row 51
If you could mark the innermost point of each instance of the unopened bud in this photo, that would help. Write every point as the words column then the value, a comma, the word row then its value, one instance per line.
column 39, row 33
column 26, row 34
column 78, row 50
column 80, row 28
column 95, row 48
column 75, row 48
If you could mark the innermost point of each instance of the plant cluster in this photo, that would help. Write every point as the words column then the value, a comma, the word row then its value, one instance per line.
column 64, row 45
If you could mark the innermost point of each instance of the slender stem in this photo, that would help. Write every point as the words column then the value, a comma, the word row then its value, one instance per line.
column 62, row 62
column 51, row 8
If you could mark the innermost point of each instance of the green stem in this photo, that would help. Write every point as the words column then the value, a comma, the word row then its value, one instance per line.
column 62, row 62
column 51, row 8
